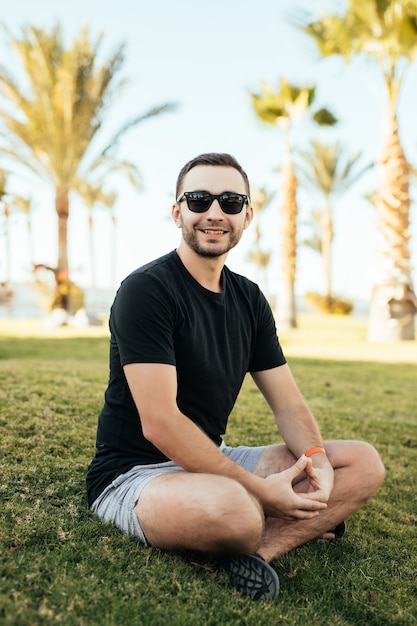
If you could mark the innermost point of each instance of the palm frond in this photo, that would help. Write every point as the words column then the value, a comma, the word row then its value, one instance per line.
column 330, row 169
column 51, row 118
column 385, row 30
column 153, row 112
column 324, row 117
column 284, row 105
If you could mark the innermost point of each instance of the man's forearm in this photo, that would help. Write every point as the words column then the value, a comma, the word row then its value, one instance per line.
column 189, row 447
column 299, row 428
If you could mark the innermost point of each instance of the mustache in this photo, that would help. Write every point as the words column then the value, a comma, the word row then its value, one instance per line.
column 212, row 226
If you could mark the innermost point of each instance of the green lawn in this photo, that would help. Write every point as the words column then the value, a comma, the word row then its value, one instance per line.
column 59, row 565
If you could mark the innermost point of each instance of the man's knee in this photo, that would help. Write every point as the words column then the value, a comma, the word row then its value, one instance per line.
column 364, row 465
column 240, row 521
column 372, row 464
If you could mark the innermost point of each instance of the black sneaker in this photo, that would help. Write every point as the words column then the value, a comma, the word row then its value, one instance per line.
column 339, row 531
column 253, row 577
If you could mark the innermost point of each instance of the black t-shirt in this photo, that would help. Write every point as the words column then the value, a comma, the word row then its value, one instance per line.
column 161, row 314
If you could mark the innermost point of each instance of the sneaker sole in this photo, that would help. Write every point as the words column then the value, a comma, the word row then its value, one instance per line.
column 254, row 577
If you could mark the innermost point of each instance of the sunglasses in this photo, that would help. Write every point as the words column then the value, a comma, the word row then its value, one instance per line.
column 200, row 201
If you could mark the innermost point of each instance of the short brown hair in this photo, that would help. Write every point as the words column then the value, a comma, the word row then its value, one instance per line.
column 212, row 158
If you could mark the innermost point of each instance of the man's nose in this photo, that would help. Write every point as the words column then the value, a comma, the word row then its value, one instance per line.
column 215, row 212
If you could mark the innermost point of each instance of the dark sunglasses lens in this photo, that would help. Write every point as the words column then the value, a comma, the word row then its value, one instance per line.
column 198, row 202
column 231, row 203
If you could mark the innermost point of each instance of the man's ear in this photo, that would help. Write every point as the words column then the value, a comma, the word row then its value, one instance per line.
column 176, row 214
column 249, row 216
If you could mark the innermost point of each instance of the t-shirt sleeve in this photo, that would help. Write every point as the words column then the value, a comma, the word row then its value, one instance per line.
column 142, row 321
column 267, row 351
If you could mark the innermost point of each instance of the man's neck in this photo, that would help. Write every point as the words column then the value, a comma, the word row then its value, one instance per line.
column 205, row 270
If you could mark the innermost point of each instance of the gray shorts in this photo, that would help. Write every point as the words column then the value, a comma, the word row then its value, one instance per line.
column 117, row 502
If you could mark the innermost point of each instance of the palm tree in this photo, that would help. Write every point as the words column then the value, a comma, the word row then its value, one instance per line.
column 5, row 214
column 328, row 169
column 260, row 198
column 111, row 199
column 25, row 205
column 284, row 108
column 93, row 195
column 11, row 203
column 387, row 33
column 55, row 121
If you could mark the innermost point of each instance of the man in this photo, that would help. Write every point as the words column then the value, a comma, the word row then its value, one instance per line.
column 185, row 330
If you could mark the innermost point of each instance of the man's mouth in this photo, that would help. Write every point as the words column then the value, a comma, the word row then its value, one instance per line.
column 213, row 232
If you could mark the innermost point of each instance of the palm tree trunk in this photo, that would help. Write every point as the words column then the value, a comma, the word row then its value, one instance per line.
column 91, row 250
column 7, row 244
column 31, row 244
column 62, row 210
column 393, row 302
column 113, row 251
column 326, row 248
column 286, row 300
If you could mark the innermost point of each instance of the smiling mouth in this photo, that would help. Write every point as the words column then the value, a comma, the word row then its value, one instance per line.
column 213, row 232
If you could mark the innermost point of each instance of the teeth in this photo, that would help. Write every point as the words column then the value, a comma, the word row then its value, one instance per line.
column 213, row 232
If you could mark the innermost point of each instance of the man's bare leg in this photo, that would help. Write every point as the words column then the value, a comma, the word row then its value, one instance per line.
column 217, row 515
column 359, row 473
column 211, row 514
column 200, row 512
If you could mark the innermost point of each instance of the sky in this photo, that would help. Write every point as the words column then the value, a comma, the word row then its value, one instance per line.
column 207, row 57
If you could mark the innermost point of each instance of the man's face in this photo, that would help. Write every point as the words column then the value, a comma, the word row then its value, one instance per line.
column 213, row 233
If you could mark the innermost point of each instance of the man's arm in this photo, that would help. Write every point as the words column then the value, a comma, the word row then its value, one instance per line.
column 154, row 390
column 296, row 424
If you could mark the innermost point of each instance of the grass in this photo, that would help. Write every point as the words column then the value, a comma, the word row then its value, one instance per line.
column 60, row 565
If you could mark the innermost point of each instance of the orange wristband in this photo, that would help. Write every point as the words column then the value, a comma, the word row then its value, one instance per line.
column 314, row 451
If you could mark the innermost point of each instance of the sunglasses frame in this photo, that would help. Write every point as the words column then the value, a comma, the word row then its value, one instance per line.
column 187, row 195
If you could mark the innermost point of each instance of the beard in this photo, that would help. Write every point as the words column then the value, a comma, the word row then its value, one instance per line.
column 207, row 249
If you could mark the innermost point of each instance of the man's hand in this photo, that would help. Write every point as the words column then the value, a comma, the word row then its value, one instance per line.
column 280, row 500
column 321, row 478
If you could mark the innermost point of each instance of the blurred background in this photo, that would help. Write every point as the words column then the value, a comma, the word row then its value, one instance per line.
column 245, row 78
